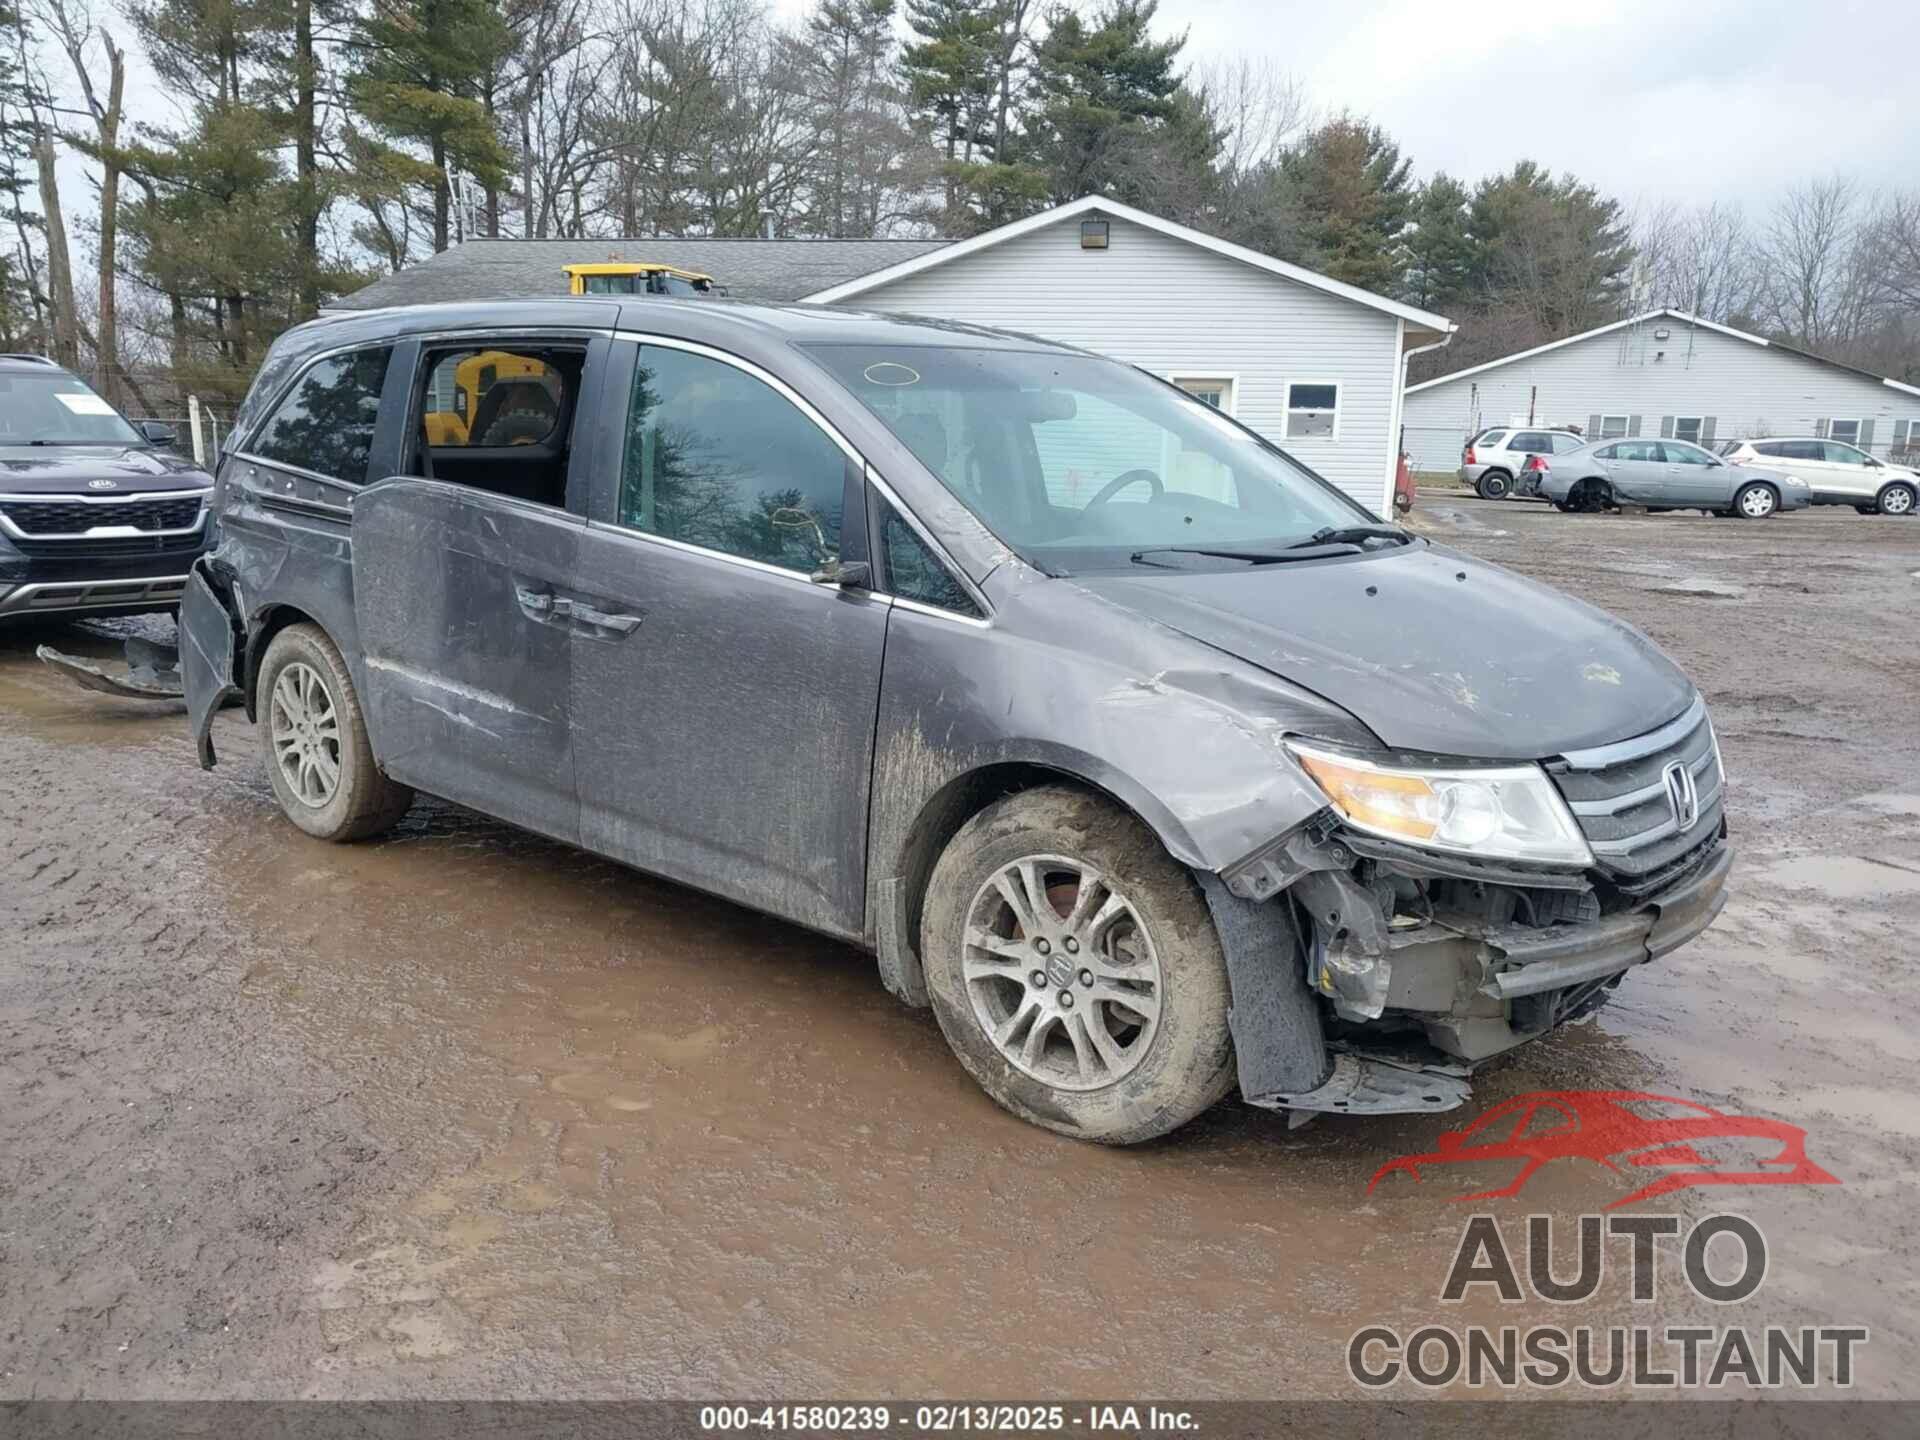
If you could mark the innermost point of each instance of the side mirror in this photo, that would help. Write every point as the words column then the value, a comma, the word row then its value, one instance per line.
column 157, row 433
column 847, row 574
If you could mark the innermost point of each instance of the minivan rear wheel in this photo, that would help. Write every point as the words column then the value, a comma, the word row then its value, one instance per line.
column 313, row 739
column 1074, row 969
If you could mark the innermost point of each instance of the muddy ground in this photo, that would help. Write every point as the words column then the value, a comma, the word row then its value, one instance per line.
column 467, row 1113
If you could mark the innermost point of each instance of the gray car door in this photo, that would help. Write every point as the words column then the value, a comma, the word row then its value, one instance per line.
column 460, row 595
column 1638, row 471
column 723, row 701
column 1696, row 478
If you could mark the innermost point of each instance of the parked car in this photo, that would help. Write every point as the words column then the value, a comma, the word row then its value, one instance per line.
column 1495, row 458
column 1027, row 671
column 95, row 517
column 1661, row 475
column 1837, row 473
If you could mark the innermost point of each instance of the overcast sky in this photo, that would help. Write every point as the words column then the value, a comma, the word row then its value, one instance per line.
column 1647, row 99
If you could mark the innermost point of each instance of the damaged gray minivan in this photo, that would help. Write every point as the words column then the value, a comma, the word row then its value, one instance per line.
column 1145, row 757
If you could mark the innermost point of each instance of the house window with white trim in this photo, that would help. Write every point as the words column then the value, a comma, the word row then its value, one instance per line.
column 1612, row 427
column 1313, row 410
column 1847, row 432
column 1687, row 427
column 1216, row 390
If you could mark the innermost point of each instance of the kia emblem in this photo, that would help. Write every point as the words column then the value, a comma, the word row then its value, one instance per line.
column 103, row 484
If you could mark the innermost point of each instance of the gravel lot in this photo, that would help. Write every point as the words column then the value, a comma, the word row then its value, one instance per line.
column 465, row 1113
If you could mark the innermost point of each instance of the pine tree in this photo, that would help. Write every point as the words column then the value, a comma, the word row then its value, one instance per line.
column 842, row 65
column 1351, row 194
column 423, row 66
column 1109, row 93
column 949, row 74
column 1555, row 248
column 1439, row 249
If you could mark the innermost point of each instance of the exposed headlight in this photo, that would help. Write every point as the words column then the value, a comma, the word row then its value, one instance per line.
column 1510, row 813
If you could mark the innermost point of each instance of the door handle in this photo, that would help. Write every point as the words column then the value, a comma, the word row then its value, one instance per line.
column 605, row 620
column 543, row 604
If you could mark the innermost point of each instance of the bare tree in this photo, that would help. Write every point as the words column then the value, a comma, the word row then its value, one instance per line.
column 1699, row 259
column 72, row 26
column 1820, row 285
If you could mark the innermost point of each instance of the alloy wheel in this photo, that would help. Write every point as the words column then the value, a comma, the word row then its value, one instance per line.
column 1756, row 502
column 306, row 734
column 1062, row 973
column 1897, row 501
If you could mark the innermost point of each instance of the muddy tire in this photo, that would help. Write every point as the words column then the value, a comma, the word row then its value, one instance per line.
column 313, row 741
column 1125, row 1035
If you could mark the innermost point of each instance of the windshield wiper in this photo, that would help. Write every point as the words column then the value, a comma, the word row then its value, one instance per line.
column 1352, row 535
column 1252, row 557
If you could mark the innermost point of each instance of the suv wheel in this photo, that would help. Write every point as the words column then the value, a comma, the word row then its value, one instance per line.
column 1074, row 969
column 1897, row 499
column 1494, row 485
column 314, row 741
column 1756, row 501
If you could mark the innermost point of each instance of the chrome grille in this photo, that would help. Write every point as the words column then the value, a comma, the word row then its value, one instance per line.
column 1619, row 794
column 55, row 517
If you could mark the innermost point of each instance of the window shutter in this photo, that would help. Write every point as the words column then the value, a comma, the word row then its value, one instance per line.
column 1633, row 424
column 1900, row 432
column 1593, row 427
column 1866, row 436
column 1706, row 431
column 1666, row 427
column 1820, row 428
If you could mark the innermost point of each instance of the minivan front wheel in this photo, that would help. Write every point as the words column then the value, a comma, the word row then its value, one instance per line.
column 1075, row 971
column 314, row 741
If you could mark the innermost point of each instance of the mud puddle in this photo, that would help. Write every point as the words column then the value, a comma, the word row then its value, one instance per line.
column 468, row 1113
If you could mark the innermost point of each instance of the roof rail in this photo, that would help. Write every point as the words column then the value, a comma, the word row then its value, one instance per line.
column 34, row 359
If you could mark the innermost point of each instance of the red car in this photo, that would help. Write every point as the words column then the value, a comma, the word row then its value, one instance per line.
column 1627, row 1131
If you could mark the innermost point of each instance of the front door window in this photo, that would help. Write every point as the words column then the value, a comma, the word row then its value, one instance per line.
column 720, row 459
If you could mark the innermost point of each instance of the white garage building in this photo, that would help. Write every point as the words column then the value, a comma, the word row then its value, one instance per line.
column 1663, row 373
column 1313, row 364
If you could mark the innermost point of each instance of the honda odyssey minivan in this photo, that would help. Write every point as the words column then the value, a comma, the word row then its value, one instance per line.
column 1150, row 761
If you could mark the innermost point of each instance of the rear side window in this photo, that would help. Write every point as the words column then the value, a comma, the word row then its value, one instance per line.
column 1491, row 439
column 325, row 424
column 914, row 572
column 719, row 459
column 1532, row 442
column 491, row 398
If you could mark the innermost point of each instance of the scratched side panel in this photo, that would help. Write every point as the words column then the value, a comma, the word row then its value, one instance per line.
column 467, row 685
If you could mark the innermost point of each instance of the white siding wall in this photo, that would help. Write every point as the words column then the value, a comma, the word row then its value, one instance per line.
column 1750, row 390
column 1177, row 310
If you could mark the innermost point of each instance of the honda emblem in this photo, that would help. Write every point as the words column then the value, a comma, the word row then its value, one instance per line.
column 1683, row 797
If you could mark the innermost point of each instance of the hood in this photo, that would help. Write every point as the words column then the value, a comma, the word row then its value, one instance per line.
column 1430, row 649
column 66, row 469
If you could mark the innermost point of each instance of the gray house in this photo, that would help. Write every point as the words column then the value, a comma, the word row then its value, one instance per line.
column 1663, row 373
column 1316, row 365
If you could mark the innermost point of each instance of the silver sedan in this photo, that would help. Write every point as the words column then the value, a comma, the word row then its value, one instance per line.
column 1660, row 475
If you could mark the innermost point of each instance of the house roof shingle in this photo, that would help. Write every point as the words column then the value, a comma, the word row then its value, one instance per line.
column 750, row 269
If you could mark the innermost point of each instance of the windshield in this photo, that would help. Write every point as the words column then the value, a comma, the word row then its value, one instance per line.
column 1080, row 464
column 57, row 409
